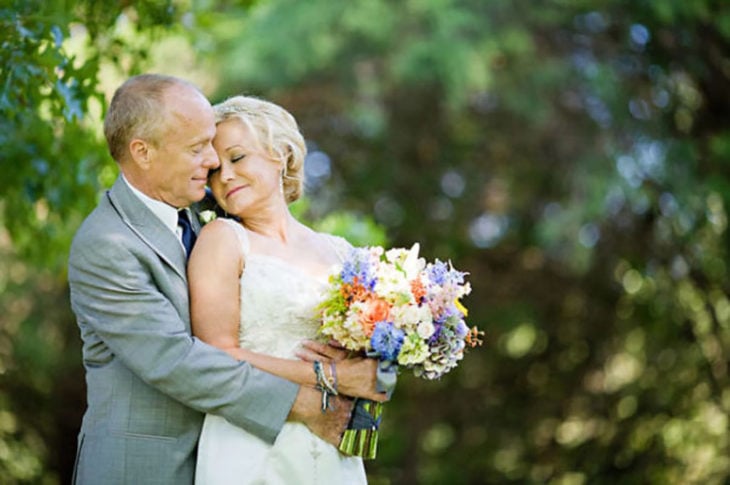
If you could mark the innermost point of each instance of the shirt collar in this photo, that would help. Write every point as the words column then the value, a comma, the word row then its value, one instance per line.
column 166, row 213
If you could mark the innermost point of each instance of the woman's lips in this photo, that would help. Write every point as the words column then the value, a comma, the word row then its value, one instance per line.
column 234, row 190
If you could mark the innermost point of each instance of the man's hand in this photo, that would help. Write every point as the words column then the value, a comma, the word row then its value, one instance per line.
column 330, row 425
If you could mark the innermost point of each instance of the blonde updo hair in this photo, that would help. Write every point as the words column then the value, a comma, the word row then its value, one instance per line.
column 276, row 130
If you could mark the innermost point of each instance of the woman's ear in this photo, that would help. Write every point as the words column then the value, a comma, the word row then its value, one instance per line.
column 141, row 153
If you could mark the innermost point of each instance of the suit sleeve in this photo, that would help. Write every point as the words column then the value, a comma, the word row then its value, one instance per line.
column 123, row 313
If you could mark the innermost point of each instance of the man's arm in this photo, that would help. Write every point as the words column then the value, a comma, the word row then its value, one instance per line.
column 329, row 425
column 123, row 297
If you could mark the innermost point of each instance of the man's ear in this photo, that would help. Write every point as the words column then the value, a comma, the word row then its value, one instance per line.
column 141, row 153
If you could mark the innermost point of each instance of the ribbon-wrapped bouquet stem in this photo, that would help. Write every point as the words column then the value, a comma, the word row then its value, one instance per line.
column 395, row 306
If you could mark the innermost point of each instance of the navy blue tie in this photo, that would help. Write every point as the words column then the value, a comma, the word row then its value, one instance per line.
column 188, row 235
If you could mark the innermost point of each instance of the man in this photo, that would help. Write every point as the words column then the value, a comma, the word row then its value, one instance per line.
column 149, row 382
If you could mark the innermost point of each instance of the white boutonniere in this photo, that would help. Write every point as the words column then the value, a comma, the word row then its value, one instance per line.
column 206, row 216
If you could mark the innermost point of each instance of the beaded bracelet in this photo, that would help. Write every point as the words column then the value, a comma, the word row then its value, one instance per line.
column 333, row 373
column 324, row 385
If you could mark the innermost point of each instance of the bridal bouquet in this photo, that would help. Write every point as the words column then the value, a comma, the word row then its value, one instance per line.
column 395, row 306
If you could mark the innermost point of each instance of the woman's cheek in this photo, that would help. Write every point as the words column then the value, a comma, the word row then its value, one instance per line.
column 217, row 193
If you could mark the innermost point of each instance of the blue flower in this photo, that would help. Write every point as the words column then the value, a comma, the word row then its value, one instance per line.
column 448, row 312
column 358, row 266
column 461, row 329
column 437, row 272
column 442, row 274
column 437, row 333
column 387, row 340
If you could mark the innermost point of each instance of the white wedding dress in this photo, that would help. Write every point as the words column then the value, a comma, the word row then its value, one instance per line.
column 278, row 311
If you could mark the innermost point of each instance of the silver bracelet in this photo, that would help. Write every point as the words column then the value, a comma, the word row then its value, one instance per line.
column 323, row 385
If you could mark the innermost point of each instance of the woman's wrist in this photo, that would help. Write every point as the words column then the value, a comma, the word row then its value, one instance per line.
column 333, row 373
column 326, row 386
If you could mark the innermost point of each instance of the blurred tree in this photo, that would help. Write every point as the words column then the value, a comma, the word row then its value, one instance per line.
column 55, row 165
column 571, row 155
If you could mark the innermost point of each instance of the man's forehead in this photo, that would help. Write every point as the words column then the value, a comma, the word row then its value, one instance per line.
column 190, row 110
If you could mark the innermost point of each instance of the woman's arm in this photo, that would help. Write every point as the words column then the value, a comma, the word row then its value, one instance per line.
column 214, row 272
column 356, row 376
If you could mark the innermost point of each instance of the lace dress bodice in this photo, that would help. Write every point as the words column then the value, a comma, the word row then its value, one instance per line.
column 279, row 301
column 278, row 306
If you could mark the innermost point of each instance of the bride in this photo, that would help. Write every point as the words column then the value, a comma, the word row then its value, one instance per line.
column 254, row 289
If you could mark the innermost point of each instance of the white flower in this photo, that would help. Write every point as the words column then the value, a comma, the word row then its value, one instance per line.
column 413, row 265
column 408, row 317
column 392, row 284
column 406, row 260
column 425, row 329
column 206, row 216
column 395, row 255
column 464, row 289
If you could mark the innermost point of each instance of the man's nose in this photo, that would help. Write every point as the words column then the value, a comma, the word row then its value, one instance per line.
column 211, row 160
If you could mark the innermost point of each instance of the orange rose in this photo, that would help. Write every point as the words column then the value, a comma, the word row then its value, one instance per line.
column 376, row 311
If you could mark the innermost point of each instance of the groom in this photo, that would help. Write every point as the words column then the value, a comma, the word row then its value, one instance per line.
column 149, row 382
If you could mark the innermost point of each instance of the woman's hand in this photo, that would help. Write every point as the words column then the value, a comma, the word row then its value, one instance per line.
column 311, row 351
column 356, row 376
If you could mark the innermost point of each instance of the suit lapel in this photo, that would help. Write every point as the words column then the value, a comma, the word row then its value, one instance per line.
column 195, row 220
column 147, row 226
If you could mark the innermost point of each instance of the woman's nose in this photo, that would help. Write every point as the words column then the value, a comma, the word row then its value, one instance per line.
column 226, row 171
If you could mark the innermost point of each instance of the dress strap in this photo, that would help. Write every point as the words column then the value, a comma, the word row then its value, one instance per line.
column 241, row 233
column 340, row 245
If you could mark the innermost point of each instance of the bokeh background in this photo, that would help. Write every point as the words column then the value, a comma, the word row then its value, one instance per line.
column 572, row 155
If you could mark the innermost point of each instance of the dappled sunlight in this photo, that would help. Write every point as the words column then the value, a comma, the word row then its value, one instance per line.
column 519, row 341
column 620, row 370
column 572, row 157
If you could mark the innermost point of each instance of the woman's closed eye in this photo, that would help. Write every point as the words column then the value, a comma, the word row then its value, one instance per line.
column 233, row 159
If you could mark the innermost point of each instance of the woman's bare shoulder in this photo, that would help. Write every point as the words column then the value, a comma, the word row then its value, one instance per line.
column 220, row 239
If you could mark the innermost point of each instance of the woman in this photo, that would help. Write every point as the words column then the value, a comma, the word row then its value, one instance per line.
column 254, row 290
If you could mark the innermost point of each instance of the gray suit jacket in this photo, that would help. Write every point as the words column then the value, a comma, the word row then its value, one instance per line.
column 149, row 382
